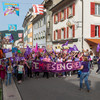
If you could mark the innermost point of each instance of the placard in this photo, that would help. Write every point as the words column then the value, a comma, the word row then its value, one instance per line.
column 8, row 55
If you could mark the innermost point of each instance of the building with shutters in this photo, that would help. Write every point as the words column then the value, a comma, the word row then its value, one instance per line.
column 91, row 24
column 39, row 30
column 28, row 28
column 77, row 21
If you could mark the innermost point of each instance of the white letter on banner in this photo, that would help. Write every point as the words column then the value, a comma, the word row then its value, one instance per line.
column 77, row 64
column 69, row 66
column 53, row 68
column 59, row 67
column 63, row 66
column 36, row 67
column 48, row 66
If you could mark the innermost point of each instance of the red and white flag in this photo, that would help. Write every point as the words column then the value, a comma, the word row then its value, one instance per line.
column 38, row 9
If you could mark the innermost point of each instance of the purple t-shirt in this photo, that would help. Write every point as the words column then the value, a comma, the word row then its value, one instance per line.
column 85, row 66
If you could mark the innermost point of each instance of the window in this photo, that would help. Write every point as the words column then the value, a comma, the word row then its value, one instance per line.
column 56, row 18
column 30, row 39
column 70, row 11
column 30, row 30
column 43, row 33
column 97, row 9
column 44, row 20
column 62, row 33
column 70, row 32
column 62, row 15
column 96, row 31
column 39, row 35
column 40, row 23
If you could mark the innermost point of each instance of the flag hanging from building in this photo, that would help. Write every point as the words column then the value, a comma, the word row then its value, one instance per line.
column 12, row 27
column 11, row 39
column 38, row 9
column 10, row 8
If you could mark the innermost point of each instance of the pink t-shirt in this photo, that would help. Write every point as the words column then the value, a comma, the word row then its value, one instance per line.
column 46, row 59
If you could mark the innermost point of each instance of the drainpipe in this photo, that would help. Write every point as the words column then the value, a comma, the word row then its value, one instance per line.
column 82, row 23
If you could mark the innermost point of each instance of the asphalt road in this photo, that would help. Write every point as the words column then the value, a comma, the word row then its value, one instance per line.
column 58, row 89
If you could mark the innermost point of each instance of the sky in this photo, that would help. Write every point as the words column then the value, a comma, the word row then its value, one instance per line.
column 24, row 6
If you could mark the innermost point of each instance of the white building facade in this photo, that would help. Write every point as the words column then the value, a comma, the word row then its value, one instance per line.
column 91, row 24
column 39, row 30
column 77, row 21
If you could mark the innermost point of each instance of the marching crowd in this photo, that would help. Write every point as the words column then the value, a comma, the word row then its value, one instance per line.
column 23, row 68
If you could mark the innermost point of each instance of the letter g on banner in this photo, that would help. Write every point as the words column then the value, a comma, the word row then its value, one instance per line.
column 69, row 66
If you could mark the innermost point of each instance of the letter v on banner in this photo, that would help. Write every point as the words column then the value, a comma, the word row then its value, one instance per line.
column 38, row 9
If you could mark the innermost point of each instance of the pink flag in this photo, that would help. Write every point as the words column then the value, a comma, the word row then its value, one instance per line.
column 36, row 48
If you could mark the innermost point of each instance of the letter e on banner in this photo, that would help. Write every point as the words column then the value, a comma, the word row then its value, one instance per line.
column 59, row 67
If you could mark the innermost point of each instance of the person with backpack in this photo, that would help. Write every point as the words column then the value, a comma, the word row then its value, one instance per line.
column 9, row 73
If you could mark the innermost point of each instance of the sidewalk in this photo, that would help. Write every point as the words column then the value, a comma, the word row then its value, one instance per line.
column 10, row 92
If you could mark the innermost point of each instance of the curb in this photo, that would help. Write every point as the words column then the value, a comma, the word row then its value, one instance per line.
column 17, row 87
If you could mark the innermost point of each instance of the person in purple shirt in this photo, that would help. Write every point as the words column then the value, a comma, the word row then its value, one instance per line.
column 85, row 73
column 98, row 60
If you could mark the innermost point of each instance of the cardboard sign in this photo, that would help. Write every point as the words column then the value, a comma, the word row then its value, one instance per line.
column 8, row 55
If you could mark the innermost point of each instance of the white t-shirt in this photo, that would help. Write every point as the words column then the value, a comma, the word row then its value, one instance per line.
column 69, row 60
column 91, row 57
column 10, row 69
column 20, row 69
column 60, row 60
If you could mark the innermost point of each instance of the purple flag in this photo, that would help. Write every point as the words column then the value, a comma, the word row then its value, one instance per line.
column 5, row 50
column 53, row 51
column 45, row 50
column 11, row 39
column 98, row 47
column 75, row 48
column 65, row 44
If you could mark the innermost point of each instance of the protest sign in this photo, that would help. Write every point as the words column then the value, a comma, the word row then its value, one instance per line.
column 8, row 55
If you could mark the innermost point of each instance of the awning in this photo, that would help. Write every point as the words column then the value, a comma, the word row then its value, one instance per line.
column 93, row 41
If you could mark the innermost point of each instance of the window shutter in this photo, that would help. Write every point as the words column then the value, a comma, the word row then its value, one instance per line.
column 64, row 13
column 64, row 33
column 54, row 19
column 99, row 30
column 58, row 17
column 67, row 32
column 73, row 27
column 67, row 12
column 54, row 35
column 59, row 34
column 92, row 8
column 74, row 9
column 92, row 30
